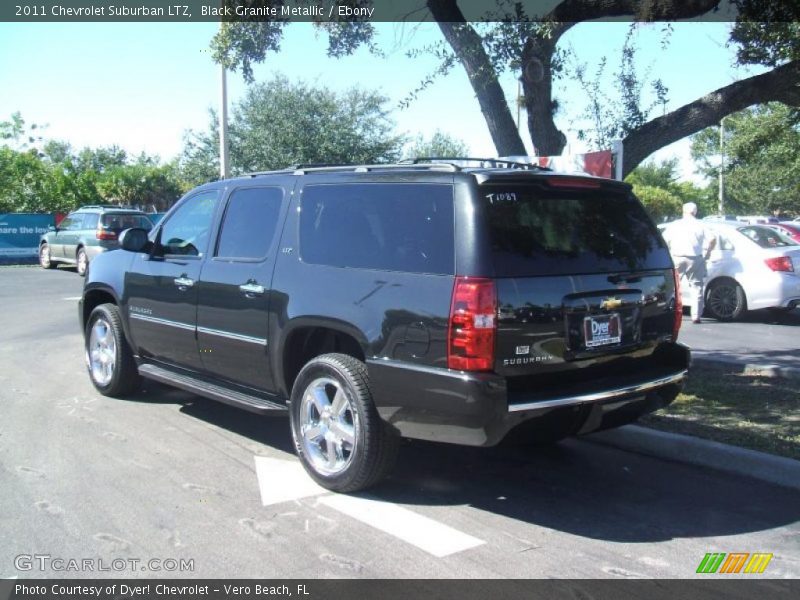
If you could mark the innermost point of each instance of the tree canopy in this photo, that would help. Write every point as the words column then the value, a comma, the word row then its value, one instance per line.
column 512, row 39
column 439, row 144
column 279, row 123
column 48, row 176
column 762, row 159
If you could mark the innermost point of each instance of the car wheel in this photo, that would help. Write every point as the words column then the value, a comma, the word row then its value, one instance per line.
column 45, row 261
column 81, row 261
column 109, row 359
column 726, row 300
column 341, row 441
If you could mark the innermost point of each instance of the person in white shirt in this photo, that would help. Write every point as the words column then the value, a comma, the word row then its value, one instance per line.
column 690, row 244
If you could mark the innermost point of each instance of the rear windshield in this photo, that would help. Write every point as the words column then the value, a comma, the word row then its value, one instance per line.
column 534, row 231
column 118, row 222
column 767, row 237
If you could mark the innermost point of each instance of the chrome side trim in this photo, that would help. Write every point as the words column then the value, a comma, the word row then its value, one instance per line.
column 441, row 371
column 233, row 336
column 166, row 322
column 638, row 388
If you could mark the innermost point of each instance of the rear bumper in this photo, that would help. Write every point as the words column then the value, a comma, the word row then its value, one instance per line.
column 480, row 409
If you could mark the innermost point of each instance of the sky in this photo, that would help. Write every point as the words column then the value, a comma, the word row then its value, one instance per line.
column 141, row 86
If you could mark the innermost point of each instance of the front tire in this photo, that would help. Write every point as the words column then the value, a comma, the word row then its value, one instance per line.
column 726, row 300
column 81, row 262
column 109, row 359
column 341, row 441
column 45, row 260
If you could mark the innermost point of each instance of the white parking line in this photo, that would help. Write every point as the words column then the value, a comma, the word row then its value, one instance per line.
column 424, row 533
column 284, row 480
column 72, row 298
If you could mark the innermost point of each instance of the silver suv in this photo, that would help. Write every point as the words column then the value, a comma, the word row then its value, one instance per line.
column 87, row 232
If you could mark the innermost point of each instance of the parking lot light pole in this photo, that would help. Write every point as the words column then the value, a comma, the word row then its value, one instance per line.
column 224, row 159
column 721, row 203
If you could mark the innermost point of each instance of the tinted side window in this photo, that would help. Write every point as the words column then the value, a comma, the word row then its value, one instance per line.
column 250, row 221
column 393, row 227
column 187, row 230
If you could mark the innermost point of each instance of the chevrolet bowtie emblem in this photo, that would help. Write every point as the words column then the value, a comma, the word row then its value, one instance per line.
column 611, row 303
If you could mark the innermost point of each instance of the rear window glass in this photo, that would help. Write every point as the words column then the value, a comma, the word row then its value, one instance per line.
column 391, row 227
column 118, row 222
column 534, row 231
column 767, row 237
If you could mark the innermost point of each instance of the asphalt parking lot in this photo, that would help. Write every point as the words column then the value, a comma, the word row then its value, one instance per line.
column 167, row 476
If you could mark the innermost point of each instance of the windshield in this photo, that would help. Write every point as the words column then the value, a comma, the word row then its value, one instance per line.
column 534, row 231
column 767, row 237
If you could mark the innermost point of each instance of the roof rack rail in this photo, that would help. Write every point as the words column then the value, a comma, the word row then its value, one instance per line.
column 302, row 169
column 485, row 162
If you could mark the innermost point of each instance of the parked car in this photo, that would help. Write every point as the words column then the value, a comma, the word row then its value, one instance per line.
column 752, row 267
column 757, row 219
column 87, row 232
column 788, row 228
column 371, row 303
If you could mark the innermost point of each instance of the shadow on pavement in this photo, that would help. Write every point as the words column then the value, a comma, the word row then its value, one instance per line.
column 575, row 487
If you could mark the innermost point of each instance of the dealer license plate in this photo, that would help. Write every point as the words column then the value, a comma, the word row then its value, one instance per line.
column 602, row 330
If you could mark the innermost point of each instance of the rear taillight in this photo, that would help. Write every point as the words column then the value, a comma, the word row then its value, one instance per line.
column 780, row 263
column 676, row 325
column 102, row 234
column 473, row 316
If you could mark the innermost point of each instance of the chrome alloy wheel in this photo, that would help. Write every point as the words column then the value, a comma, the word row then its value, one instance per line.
column 83, row 262
column 101, row 352
column 44, row 256
column 328, row 426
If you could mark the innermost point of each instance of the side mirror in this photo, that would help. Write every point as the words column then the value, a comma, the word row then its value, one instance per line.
column 133, row 239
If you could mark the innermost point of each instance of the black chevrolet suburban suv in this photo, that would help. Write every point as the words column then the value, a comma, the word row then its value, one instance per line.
column 425, row 300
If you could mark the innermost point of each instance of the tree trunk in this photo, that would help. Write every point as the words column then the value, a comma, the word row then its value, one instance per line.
column 467, row 45
column 782, row 84
column 537, row 85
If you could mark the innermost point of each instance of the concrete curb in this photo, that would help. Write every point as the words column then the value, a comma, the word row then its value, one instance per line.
column 705, row 453
column 759, row 369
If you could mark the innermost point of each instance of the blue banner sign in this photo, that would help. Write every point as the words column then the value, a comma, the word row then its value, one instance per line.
column 19, row 235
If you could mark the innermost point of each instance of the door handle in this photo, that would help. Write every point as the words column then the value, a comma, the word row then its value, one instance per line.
column 183, row 282
column 252, row 289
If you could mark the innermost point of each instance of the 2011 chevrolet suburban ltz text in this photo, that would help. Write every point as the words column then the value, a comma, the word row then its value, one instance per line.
column 370, row 303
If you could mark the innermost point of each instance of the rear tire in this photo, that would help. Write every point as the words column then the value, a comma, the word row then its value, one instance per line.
column 338, row 435
column 81, row 262
column 45, row 260
column 109, row 359
column 726, row 300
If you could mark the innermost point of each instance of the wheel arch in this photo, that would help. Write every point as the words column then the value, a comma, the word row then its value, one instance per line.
column 94, row 297
column 720, row 278
column 307, row 337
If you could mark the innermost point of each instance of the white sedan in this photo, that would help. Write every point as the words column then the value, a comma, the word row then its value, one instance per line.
column 752, row 267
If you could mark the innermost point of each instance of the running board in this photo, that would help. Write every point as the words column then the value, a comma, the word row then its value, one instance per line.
column 212, row 391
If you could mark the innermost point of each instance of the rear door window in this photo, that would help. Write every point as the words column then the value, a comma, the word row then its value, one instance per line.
column 537, row 231
column 90, row 221
column 392, row 227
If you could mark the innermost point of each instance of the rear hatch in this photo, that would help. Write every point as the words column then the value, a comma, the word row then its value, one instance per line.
column 585, row 286
column 113, row 223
